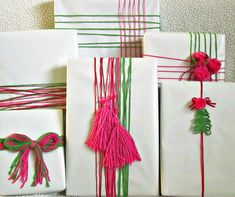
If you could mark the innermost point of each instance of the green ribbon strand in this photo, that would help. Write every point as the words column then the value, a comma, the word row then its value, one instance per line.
column 104, row 22
column 106, row 34
column 106, row 29
column 196, row 46
column 125, row 117
column 205, row 48
column 202, row 123
column 105, row 15
column 110, row 45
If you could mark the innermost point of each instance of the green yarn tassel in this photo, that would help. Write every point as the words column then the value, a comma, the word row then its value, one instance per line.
column 15, row 163
column 202, row 122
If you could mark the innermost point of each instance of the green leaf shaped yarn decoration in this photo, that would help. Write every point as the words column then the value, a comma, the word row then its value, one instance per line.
column 202, row 123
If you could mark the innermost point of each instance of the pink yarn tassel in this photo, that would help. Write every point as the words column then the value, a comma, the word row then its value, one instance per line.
column 41, row 171
column 121, row 149
column 102, row 126
column 110, row 181
column 19, row 168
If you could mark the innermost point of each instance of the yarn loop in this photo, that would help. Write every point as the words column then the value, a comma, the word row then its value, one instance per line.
column 24, row 145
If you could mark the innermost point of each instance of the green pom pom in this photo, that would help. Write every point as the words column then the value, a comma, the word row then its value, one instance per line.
column 202, row 122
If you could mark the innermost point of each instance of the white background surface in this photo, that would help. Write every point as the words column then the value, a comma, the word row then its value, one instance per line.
column 177, row 15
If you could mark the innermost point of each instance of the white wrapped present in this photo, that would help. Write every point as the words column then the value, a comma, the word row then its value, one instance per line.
column 143, row 176
column 181, row 149
column 108, row 28
column 173, row 51
column 32, row 123
column 35, row 57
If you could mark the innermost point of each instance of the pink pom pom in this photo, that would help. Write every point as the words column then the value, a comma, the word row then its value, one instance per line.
column 214, row 65
column 201, row 73
column 199, row 103
column 200, row 56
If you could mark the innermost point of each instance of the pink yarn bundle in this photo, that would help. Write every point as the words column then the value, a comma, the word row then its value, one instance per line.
column 203, row 67
column 108, row 137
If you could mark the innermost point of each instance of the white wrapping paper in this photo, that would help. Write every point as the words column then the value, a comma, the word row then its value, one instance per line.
column 180, row 148
column 177, row 45
column 80, row 159
column 35, row 57
column 32, row 123
column 98, row 24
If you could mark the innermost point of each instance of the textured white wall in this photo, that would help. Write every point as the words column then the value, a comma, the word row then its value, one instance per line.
column 26, row 14
column 177, row 15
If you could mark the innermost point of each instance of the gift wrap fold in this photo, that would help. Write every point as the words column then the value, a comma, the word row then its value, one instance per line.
column 35, row 57
column 180, row 148
column 143, row 176
column 173, row 52
column 32, row 123
column 108, row 28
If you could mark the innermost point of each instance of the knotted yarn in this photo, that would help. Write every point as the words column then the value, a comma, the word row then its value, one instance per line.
column 200, row 103
column 100, row 134
column 24, row 145
column 203, row 67
column 202, row 71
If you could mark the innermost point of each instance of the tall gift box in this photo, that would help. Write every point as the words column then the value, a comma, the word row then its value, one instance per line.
column 173, row 52
column 181, row 149
column 111, row 28
column 142, row 124
column 29, row 125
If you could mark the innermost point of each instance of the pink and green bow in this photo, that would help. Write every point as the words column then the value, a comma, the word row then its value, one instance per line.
column 24, row 145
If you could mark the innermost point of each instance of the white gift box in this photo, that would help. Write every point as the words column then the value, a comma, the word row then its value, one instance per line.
column 172, row 49
column 104, row 27
column 35, row 57
column 180, row 148
column 32, row 123
column 143, row 179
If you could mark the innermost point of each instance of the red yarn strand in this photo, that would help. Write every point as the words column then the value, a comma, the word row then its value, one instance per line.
column 202, row 164
column 202, row 150
column 112, row 143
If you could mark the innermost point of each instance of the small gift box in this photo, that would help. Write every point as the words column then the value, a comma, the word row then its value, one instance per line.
column 137, row 101
column 33, row 67
column 197, row 139
column 173, row 52
column 111, row 28
column 32, row 160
